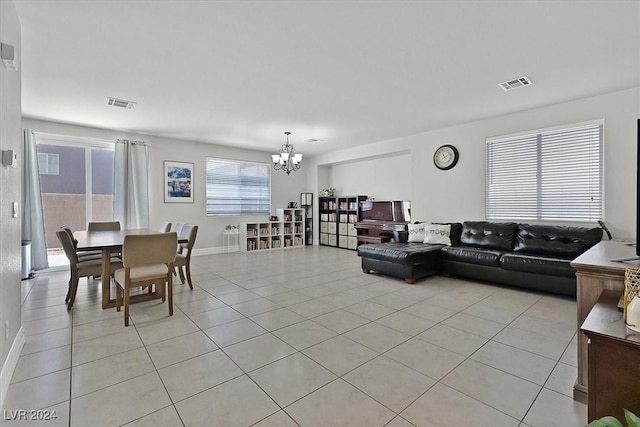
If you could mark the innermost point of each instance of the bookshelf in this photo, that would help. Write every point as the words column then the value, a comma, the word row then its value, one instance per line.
column 338, row 215
column 306, row 203
column 286, row 232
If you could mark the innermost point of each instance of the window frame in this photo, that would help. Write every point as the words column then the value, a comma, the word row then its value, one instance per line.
column 240, row 212
column 541, row 138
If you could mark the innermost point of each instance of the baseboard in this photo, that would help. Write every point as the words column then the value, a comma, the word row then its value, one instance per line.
column 10, row 364
column 214, row 250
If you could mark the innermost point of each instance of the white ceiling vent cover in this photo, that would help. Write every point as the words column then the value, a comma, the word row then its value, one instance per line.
column 514, row 84
column 115, row 102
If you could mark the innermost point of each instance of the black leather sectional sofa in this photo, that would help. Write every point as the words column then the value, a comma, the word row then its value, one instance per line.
column 523, row 255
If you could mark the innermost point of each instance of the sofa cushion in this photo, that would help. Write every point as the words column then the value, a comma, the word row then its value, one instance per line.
column 470, row 255
column 558, row 241
column 416, row 232
column 491, row 235
column 539, row 264
column 402, row 253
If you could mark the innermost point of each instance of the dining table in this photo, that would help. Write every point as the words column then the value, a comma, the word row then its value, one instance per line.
column 110, row 242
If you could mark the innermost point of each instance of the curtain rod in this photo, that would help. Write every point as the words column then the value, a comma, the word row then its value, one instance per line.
column 131, row 142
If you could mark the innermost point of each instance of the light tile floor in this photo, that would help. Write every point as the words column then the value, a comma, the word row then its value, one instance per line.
column 299, row 337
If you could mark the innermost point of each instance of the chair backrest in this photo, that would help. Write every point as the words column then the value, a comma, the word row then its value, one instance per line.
column 67, row 244
column 70, row 233
column 148, row 249
column 177, row 227
column 189, row 232
column 104, row 226
column 165, row 227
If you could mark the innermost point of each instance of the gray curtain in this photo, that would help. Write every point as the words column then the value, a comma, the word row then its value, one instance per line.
column 32, row 213
column 131, row 187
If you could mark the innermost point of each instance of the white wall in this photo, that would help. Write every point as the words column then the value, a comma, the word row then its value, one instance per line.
column 459, row 194
column 381, row 178
column 10, row 191
column 283, row 188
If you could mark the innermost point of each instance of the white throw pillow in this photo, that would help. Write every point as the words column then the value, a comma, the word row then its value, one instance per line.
column 437, row 234
column 416, row 232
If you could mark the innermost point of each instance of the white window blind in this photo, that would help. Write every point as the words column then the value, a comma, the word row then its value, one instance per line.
column 549, row 175
column 238, row 188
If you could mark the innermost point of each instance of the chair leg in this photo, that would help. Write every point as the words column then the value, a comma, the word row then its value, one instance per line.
column 170, row 292
column 126, row 306
column 118, row 296
column 74, row 288
column 162, row 290
column 66, row 299
column 188, row 267
column 181, row 274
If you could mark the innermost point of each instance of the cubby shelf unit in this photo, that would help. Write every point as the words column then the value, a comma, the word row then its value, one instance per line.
column 338, row 216
column 287, row 232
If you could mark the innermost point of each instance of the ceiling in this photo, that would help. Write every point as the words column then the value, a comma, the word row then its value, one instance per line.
column 348, row 73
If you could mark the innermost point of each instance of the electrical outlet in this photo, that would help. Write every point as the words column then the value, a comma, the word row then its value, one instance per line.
column 6, row 330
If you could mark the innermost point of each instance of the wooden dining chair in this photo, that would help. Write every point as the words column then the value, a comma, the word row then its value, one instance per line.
column 184, row 259
column 147, row 260
column 82, row 255
column 177, row 227
column 80, row 268
column 165, row 227
column 104, row 226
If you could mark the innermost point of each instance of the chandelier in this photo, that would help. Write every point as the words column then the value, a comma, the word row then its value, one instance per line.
column 288, row 160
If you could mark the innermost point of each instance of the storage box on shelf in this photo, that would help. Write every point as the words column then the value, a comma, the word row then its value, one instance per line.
column 338, row 215
column 288, row 231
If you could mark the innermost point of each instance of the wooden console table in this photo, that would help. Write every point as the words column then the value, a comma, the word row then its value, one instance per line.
column 595, row 272
column 614, row 355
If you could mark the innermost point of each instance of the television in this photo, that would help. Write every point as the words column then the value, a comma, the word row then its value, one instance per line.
column 393, row 211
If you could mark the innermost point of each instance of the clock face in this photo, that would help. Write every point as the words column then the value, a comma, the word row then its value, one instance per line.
column 445, row 157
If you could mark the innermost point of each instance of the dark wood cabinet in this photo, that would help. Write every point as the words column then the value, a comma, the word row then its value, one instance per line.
column 614, row 360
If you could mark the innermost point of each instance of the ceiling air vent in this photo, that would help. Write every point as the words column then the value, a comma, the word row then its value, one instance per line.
column 115, row 102
column 514, row 84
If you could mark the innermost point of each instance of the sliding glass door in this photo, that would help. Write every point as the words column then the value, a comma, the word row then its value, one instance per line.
column 76, row 180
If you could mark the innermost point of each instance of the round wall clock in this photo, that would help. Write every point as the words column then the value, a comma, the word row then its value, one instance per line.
column 446, row 157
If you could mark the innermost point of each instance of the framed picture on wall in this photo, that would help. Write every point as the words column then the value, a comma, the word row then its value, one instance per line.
column 178, row 182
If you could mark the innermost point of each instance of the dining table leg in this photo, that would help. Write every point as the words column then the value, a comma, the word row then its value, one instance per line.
column 106, row 277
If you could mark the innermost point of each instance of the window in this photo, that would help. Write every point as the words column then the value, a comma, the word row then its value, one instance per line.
column 547, row 175
column 48, row 164
column 238, row 188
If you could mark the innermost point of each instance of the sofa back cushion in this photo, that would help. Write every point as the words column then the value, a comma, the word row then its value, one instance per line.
column 561, row 241
column 491, row 235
